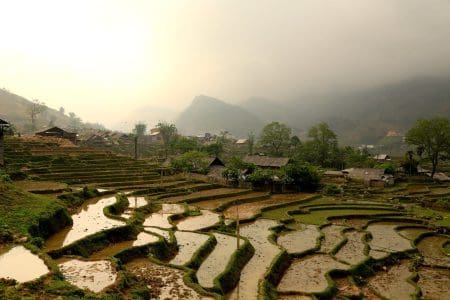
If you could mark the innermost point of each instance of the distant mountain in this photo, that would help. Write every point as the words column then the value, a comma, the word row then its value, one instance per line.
column 207, row 114
column 15, row 110
column 358, row 117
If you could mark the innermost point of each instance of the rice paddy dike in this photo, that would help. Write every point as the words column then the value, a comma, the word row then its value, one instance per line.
column 176, row 238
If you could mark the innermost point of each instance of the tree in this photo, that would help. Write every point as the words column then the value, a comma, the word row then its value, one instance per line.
column 433, row 136
column 62, row 111
column 184, row 144
column 305, row 177
column 74, row 122
column 275, row 137
column 192, row 161
column 324, row 144
column 214, row 149
column 36, row 107
column 168, row 133
column 139, row 129
column 250, row 142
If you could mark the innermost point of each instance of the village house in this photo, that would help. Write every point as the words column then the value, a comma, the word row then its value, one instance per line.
column 58, row 133
column 267, row 162
column 382, row 157
column 3, row 126
column 370, row 176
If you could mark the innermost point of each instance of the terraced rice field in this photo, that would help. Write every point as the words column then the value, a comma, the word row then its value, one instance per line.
column 395, row 283
column 217, row 261
column 308, row 275
column 91, row 275
column 305, row 246
column 188, row 244
column 20, row 264
column 88, row 220
column 353, row 252
column 300, row 240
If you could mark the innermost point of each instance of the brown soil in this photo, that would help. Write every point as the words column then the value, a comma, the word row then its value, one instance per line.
column 163, row 282
column 434, row 283
column 211, row 192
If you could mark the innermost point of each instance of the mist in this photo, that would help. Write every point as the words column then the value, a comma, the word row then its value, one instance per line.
column 105, row 60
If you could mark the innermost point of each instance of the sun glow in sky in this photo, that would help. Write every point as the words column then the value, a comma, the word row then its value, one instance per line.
column 103, row 59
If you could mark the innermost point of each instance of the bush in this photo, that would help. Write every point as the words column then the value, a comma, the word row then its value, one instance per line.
column 304, row 176
column 192, row 161
column 332, row 189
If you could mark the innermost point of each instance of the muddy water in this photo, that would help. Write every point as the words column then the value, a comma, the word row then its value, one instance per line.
column 307, row 275
column 205, row 220
column 188, row 243
column 353, row 251
column 432, row 251
column 412, row 233
column 393, row 283
column 91, row 275
column 434, row 283
column 332, row 237
column 143, row 238
column 163, row 282
column 301, row 240
column 265, row 251
column 386, row 239
column 20, row 264
column 217, row 260
column 161, row 218
column 90, row 219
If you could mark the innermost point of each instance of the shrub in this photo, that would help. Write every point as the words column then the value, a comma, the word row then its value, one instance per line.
column 332, row 189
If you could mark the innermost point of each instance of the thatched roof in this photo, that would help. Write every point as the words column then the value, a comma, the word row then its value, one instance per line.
column 266, row 161
column 3, row 122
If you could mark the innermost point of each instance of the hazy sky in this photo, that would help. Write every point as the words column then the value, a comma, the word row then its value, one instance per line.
column 102, row 59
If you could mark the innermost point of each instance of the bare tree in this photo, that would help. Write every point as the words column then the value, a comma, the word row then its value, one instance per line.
column 36, row 107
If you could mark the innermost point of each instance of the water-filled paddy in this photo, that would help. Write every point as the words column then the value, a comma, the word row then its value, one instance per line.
column 393, row 283
column 205, row 220
column 92, row 275
column 217, row 260
column 353, row 251
column 188, row 244
column 257, row 233
column 432, row 251
column 20, row 264
column 300, row 240
column 88, row 220
column 434, row 283
column 332, row 237
column 307, row 275
column 386, row 239
column 163, row 282
column 161, row 218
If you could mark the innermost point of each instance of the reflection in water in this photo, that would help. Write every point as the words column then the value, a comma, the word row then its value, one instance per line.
column 90, row 219
column 20, row 264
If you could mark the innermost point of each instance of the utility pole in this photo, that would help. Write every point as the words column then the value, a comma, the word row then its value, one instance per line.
column 136, row 147
column 237, row 243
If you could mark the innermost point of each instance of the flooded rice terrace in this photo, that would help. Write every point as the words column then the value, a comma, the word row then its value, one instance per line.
column 184, row 251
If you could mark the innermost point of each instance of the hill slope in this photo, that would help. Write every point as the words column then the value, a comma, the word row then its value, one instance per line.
column 207, row 114
column 15, row 110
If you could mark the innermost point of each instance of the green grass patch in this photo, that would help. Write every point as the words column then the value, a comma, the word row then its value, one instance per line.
column 29, row 214
column 438, row 218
